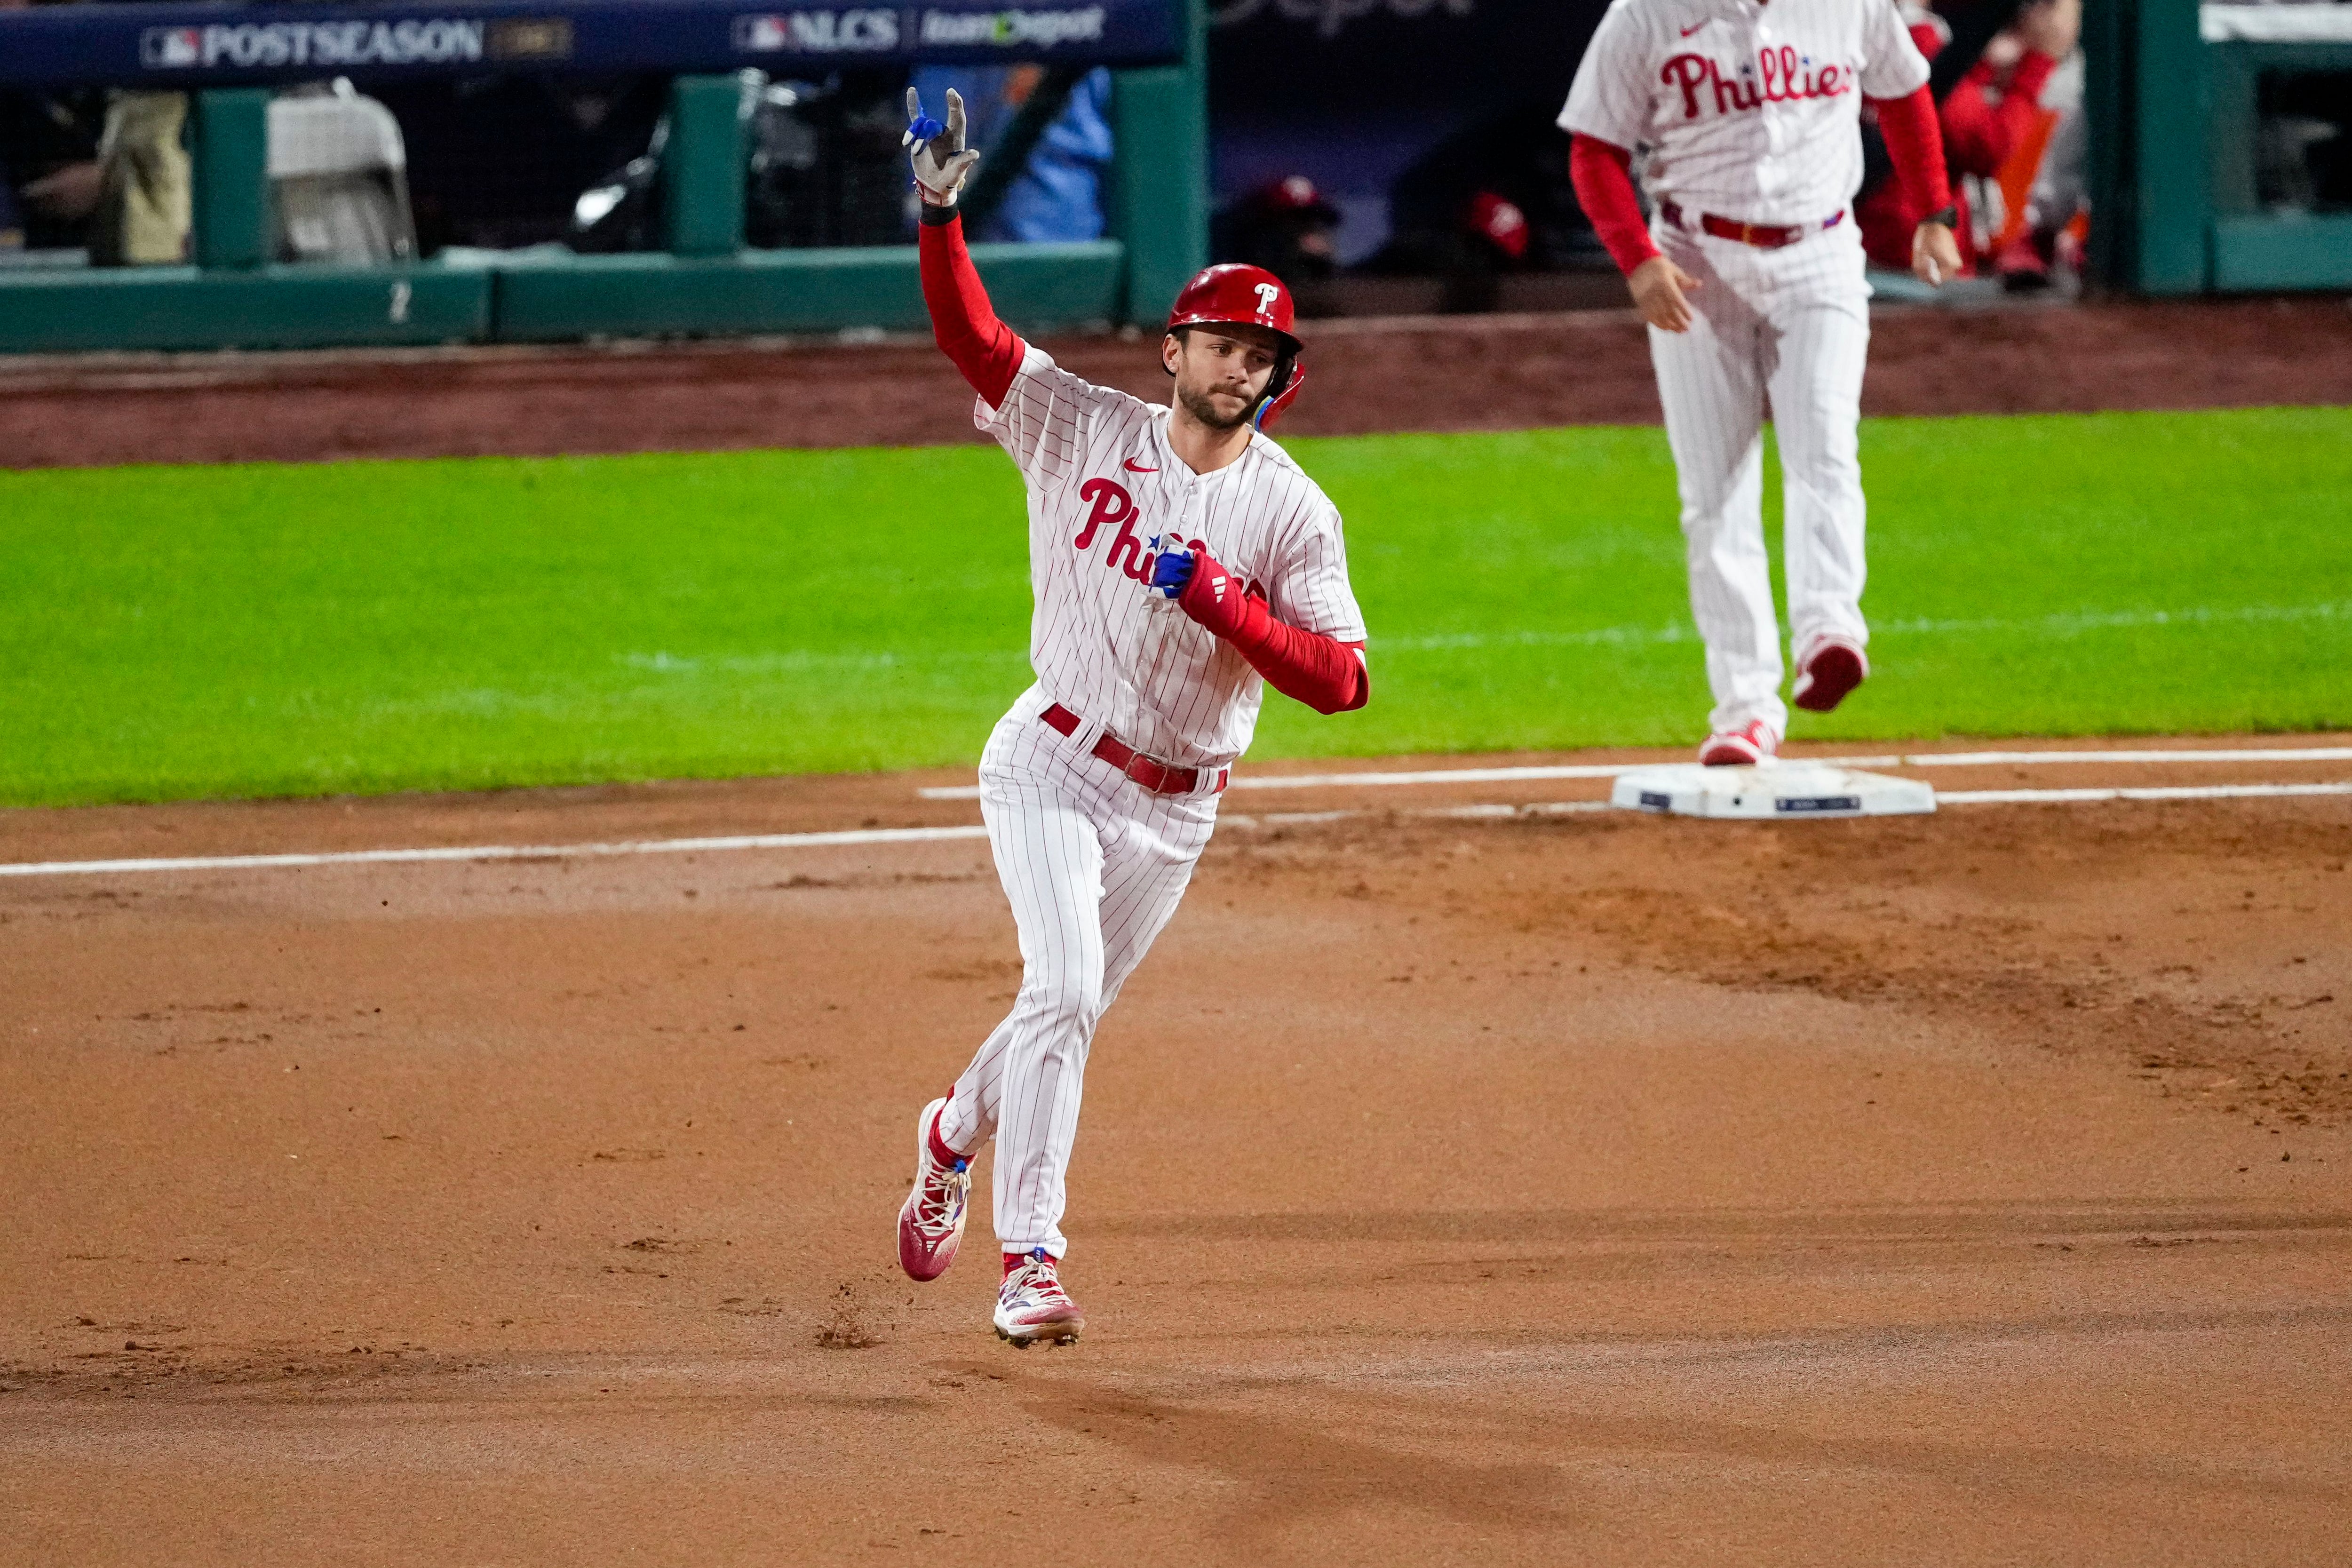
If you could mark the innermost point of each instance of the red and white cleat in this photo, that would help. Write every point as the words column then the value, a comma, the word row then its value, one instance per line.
column 930, row 1222
column 1831, row 668
column 1751, row 743
column 1031, row 1305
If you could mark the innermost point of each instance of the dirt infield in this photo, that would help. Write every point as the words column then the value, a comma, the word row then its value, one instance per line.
column 1589, row 1188
column 1466, row 373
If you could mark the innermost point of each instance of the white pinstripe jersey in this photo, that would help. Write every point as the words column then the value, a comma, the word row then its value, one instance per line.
column 1102, row 481
column 1749, row 108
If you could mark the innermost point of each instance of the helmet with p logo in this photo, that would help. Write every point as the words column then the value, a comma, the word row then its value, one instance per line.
column 1232, row 294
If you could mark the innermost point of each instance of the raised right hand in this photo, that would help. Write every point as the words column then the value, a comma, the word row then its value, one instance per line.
column 1658, row 287
column 941, row 161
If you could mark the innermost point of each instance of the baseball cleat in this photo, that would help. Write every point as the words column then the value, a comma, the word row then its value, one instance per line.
column 1031, row 1305
column 1832, row 668
column 1751, row 743
column 930, row 1222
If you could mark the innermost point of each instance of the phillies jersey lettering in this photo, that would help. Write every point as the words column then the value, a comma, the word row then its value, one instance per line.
column 1779, row 76
column 1131, row 554
column 1110, row 502
column 1747, row 111
column 1103, row 645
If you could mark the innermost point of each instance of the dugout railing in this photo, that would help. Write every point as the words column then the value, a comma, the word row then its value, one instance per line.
column 703, row 280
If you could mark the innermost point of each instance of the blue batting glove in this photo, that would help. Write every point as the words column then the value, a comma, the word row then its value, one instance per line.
column 921, row 127
column 1170, row 569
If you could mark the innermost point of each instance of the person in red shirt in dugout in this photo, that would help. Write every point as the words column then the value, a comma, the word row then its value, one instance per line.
column 1993, row 108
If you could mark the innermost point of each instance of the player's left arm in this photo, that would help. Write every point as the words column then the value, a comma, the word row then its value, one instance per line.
column 1894, row 79
column 1327, row 671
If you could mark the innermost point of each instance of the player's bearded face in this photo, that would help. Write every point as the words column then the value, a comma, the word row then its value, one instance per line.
column 1220, row 373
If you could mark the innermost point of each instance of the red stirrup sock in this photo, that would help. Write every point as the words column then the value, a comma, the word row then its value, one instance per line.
column 940, row 1151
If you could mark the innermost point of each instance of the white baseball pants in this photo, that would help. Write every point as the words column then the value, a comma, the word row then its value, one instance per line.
column 1793, row 323
column 1094, row 865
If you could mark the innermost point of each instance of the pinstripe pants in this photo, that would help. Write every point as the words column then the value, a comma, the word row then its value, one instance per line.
column 1094, row 865
column 1794, row 323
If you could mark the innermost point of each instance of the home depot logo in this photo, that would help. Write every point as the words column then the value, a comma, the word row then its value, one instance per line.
column 1012, row 30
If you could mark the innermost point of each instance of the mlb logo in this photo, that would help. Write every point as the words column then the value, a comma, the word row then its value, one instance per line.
column 763, row 35
column 170, row 49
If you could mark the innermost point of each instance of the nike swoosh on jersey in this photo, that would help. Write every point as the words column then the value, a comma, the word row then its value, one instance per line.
column 1694, row 26
column 1135, row 468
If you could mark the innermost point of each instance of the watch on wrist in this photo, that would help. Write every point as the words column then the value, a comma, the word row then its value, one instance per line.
column 1949, row 215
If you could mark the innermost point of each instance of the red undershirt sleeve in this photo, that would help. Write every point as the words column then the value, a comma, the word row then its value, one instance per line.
column 1916, row 142
column 1602, row 174
column 1328, row 675
column 984, row 349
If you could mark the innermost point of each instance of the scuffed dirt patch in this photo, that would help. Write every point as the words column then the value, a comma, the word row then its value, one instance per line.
column 2188, row 944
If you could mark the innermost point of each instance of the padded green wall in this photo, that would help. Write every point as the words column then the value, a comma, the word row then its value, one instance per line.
column 649, row 295
column 88, row 309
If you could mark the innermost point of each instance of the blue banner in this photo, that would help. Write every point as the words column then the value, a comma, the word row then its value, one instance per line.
column 194, row 45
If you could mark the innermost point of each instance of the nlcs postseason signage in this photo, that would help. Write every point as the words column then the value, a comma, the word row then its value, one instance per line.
column 229, row 45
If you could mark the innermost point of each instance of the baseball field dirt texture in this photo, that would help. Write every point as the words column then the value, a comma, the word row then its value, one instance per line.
column 1473, row 1172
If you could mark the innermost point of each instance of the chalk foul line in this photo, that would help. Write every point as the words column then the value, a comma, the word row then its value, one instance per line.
column 2157, row 792
column 1538, row 774
column 881, row 835
column 495, row 852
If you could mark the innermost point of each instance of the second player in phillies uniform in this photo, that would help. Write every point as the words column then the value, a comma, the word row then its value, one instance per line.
column 1177, row 557
column 1750, row 277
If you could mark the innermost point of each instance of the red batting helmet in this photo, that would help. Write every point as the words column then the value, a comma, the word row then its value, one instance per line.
column 1233, row 294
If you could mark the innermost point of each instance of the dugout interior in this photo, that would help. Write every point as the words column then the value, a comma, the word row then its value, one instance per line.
column 2186, row 202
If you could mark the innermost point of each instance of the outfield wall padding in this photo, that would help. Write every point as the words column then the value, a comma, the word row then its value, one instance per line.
column 88, row 309
column 2303, row 252
column 655, row 294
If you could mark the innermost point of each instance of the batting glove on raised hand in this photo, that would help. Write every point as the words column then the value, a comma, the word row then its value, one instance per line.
column 941, row 161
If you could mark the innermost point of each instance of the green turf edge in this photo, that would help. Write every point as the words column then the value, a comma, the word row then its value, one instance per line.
column 1441, row 548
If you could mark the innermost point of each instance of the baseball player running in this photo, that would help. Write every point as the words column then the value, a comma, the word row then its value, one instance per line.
column 1177, row 556
column 1750, row 277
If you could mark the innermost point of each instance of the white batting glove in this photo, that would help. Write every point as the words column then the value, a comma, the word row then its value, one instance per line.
column 941, row 161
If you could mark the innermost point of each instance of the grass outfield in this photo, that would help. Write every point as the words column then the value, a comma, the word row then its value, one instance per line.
column 263, row 629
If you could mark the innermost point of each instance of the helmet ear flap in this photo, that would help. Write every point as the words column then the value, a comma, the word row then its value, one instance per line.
column 1281, row 387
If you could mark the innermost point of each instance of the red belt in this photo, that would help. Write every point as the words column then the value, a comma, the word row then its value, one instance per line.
column 1763, row 236
column 1158, row 778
